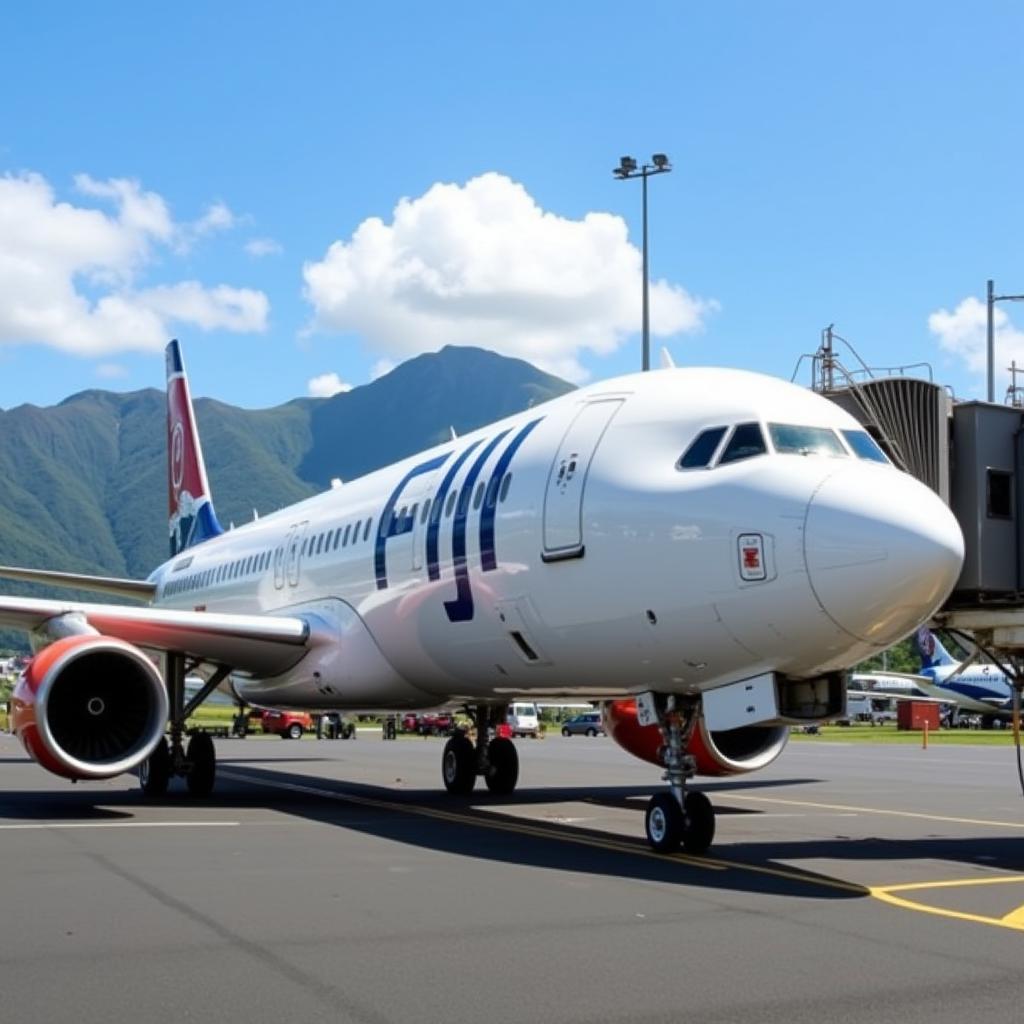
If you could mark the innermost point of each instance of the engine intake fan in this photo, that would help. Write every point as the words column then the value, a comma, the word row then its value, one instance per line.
column 89, row 707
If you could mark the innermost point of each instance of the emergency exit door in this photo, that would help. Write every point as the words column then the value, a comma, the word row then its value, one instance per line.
column 563, row 498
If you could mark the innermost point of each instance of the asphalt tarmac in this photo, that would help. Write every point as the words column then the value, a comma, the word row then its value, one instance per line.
column 334, row 881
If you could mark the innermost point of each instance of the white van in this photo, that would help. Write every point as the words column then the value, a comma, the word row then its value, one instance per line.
column 522, row 720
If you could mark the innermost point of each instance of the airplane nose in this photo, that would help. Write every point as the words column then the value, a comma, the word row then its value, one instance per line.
column 882, row 552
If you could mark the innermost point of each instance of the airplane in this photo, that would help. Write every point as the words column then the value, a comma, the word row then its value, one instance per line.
column 979, row 688
column 704, row 550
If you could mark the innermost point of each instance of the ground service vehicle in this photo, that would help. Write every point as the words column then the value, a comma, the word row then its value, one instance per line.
column 587, row 724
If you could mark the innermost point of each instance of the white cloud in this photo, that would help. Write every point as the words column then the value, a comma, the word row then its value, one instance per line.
column 262, row 247
column 111, row 371
column 963, row 333
column 382, row 368
column 70, row 276
column 327, row 384
column 483, row 264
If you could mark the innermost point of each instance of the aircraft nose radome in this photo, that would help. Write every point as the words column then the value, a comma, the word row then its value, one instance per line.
column 882, row 552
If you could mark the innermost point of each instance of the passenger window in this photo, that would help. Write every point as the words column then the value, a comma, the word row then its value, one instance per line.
column 478, row 498
column 450, row 504
column 790, row 439
column 348, row 529
column 702, row 448
column 426, row 511
column 366, row 531
column 492, row 493
column 505, row 484
column 746, row 442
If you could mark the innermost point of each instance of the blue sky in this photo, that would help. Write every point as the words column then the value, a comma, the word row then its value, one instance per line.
column 185, row 172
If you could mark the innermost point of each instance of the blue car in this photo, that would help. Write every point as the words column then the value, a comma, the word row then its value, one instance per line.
column 587, row 724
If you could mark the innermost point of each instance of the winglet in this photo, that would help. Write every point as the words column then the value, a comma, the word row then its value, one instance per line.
column 667, row 362
column 192, row 518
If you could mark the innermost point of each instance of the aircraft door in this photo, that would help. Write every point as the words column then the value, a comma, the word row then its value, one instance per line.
column 563, row 498
column 280, row 553
column 294, row 552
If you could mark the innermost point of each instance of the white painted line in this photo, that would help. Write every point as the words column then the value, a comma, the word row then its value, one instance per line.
column 49, row 825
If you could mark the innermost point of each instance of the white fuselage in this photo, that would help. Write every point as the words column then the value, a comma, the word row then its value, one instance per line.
column 572, row 556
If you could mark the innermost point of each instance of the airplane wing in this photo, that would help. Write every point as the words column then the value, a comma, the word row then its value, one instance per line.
column 140, row 590
column 261, row 644
column 886, row 695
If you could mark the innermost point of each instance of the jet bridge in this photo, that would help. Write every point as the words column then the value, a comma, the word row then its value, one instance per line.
column 972, row 455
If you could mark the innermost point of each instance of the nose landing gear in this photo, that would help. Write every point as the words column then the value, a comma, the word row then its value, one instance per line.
column 678, row 817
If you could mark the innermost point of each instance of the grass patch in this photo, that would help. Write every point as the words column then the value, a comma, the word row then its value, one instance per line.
column 889, row 734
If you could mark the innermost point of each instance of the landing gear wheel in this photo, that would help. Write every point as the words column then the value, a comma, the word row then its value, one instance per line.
column 458, row 766
column 664, row 823
column 698, row 823
column 202, row 765
column 155, row 771
column 503, row 766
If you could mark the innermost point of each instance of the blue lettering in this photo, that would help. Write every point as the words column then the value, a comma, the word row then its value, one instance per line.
column 488, row 558
column 461, row 609
column 389, row 526
column 437, row 510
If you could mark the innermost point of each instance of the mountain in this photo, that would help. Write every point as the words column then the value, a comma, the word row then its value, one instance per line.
column 83, row 484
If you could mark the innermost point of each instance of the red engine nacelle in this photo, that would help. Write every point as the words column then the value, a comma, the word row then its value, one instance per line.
column 89, row 707
column 730, row 752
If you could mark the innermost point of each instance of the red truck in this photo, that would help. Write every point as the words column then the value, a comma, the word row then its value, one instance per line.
column 289, row 725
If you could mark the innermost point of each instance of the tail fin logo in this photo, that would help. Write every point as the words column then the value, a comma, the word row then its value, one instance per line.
column 926, row 644
column 177, row 456
column 190, row 510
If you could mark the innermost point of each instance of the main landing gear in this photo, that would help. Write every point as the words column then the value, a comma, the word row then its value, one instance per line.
column 678, row 817
column 196, row 762
column 493, row 757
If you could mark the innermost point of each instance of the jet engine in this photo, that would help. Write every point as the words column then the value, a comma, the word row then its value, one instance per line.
column 89, row 707
column 728, row 752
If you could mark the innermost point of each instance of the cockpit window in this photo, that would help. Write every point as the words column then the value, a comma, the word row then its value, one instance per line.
column 863, row 445
column 704, row 445
column 790, row 439
column 746, row 442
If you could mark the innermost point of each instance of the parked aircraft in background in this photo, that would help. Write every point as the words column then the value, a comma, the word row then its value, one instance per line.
column 976, row 687
column 703, row 549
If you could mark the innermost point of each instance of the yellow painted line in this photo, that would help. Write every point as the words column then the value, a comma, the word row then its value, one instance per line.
column 1014, row 920
column 522, row 828
column 879, row 810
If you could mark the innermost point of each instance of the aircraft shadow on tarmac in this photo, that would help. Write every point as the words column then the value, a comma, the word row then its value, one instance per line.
column 469, row 827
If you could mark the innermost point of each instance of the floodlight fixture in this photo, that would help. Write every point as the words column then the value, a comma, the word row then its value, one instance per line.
column 628, row 169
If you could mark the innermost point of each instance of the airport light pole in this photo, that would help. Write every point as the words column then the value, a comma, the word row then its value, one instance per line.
column 991, row 333
column 628, row 169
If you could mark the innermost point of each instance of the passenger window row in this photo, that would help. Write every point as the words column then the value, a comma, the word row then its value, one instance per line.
column 485, row 495
column 341, row 537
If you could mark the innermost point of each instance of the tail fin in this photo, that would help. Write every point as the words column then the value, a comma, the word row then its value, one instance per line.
column 930, row 649
column 192, row 518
